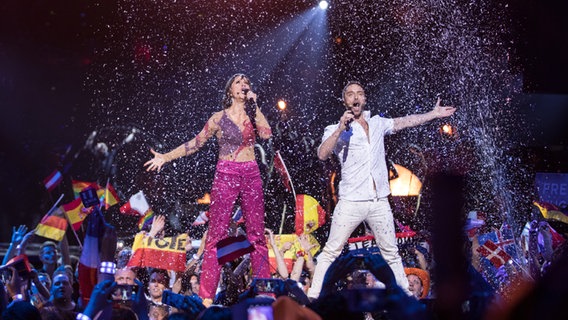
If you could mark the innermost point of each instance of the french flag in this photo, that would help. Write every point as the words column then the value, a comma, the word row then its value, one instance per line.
column 231, row 248
column 90, row 256
column 53, row 180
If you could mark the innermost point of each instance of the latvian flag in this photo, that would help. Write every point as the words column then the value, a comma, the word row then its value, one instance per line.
column 231, row 248
column 53, row 180
column 494, row 253
column 166, row 253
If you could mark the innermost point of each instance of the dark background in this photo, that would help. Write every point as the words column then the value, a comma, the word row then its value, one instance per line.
column 68, row 68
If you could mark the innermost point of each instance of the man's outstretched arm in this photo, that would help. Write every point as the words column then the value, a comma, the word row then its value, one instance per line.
column 414, row 120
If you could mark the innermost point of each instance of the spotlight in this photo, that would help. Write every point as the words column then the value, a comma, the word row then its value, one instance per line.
column 323, row 5
column 281, row 104
column 449, row 131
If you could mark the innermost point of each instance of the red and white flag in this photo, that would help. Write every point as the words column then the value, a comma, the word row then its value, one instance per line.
column 283, row 172
column 231, row 248
column 494, row 253
column 136, row 206
column 53, row 180
column 202, row 218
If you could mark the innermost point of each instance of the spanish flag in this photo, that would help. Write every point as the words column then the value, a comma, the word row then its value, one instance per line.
column 552, row 212
column 79, row 186
column 309, row 214
column 52, row 227
column 76, row 213
column 110, row 197
column 166, row 253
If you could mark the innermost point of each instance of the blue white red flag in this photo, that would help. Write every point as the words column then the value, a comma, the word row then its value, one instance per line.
column 53, row 180
column 232, row 248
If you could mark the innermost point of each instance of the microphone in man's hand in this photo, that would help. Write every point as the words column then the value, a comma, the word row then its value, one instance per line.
column 348, row 123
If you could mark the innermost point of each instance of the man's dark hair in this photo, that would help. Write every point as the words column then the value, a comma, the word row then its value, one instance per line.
column 348, row 84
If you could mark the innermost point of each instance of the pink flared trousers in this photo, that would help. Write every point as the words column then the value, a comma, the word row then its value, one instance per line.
column 234, row 179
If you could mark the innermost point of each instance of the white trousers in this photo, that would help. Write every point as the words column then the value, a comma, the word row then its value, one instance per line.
column 346, row 217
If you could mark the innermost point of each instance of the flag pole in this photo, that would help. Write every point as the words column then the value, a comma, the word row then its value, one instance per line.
column 55, row 205
column 74, row 232
column 282, row 220
column 52, row 208
column 106, row 193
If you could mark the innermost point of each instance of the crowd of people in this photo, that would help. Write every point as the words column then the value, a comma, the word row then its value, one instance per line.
column 386, row 280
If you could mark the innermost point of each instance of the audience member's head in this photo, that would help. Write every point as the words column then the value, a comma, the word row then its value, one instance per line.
column 215, row 312
column 67, row 270
column 48, row 253
column 123, row 257
column 125, row 276
column 158, row 312
column 194, row 281
column 285, row 308
column 45, row 279
column 418, row 282
column 61, row 289
column 159, row 281
column 21, row 310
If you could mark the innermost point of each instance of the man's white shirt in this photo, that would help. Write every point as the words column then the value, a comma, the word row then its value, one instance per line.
column 362, row 159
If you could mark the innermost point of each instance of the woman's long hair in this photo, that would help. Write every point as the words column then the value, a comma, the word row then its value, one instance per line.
column 227, row 100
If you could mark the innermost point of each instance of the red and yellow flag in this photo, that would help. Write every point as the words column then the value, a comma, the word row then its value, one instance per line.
column 79, row 186
column 110, row 196
column 52, row 227
column 309, row 214
column 550, row 211
column 166, row 253
column 76, row 213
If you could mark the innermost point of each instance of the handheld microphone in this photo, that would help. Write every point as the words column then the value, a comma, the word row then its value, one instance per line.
column 348, row 123
column 250, row 100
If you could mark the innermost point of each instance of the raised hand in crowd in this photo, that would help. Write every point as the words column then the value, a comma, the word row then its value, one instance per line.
column 380, row 269
column 16, row 286
column 307, row 246
column 17, row 237
column 281, row 268
column 41, row 288
column 140, row 303
column 99, row 298
column 108, row 249
column 25, row 241
column 193, row 265
column 337, row 271
column 157, row 227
